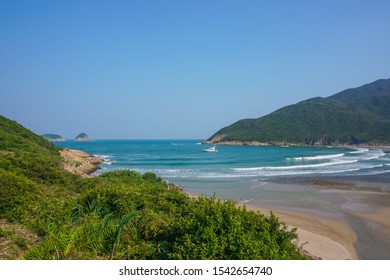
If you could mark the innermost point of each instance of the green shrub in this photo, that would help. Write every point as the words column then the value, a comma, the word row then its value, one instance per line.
column 122, row 214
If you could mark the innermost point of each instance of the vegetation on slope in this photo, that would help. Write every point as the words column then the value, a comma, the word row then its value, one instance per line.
column 121, row 214
column 53, row 137
column 360, row 115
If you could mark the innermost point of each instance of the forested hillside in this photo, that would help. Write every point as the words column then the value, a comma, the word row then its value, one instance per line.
column 353, row 116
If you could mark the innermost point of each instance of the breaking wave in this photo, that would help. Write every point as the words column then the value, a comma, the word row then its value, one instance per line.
column 317, row 157
column 185, row 159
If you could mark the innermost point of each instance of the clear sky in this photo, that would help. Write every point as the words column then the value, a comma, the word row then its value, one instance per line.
column 143, row 69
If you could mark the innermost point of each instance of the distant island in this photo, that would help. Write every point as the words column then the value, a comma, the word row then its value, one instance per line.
column 352, row 117
column 82, row 137
column 53, row 137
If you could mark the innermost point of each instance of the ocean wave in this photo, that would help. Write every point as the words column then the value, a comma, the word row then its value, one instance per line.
column 375, row 154
column 269, row 171
column 103, row 156
column 371, row 158
column 209, row 175
column 106, row 158
column 359, row 151
column 319, row 157
column 308, row 173
column 374, row 166
column 291, row 167
column 236, row 165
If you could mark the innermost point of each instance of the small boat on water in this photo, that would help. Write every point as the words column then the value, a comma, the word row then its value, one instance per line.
column 211, row 150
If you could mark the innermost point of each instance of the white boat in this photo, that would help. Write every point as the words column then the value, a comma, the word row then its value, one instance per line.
column 211, row 150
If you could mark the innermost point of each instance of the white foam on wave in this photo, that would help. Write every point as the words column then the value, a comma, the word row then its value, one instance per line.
column 271, row 171
column 291, row 167
column 209, row 175
column 172, row 170
column 373, row 154
column 359, row 151
column 307, row 172
column 319, row 157
column 371, row 158
column 374, row 166
column 104, row 156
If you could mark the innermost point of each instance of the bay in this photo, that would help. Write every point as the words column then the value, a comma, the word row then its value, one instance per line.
column 233, row 167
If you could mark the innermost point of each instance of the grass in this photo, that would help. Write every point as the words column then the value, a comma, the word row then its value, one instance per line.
column 49, row 213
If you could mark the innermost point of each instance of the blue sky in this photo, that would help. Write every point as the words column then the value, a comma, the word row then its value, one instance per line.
column 143, row 69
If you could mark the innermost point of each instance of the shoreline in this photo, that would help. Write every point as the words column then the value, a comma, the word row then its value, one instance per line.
column 382, row 146
column 80, row 163
column 340, row 217
column 319, row 237
column 361, row 203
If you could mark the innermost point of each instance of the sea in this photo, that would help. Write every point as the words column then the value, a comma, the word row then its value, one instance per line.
column 184, row 162
column 268, row 176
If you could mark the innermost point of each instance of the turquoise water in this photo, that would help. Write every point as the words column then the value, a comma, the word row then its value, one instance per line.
column 247, row 174
column 184, row 161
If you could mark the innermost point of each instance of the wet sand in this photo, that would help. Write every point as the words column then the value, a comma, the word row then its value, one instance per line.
column 336, row 217
column 328, row 239
column 320, row 238
column 354, row 213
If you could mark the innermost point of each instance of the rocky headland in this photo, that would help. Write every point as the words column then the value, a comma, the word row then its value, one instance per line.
column 79, row 162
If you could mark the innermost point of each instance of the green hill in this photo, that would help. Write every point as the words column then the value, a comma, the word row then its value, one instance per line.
column 53, row 137
column 49, row 213
column 82, row 137
column 360, row 115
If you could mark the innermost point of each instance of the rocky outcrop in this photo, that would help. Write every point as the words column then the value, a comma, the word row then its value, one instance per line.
column 79, row 162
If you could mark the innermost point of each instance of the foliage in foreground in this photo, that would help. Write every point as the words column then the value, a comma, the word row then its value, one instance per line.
column 123, row 214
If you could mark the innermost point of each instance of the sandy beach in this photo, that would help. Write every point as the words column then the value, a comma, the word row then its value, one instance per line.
column 320, row 238
column 352, row 223
column 336, row 218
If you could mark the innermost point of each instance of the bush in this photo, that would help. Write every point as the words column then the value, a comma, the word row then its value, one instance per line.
column 122, row 214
